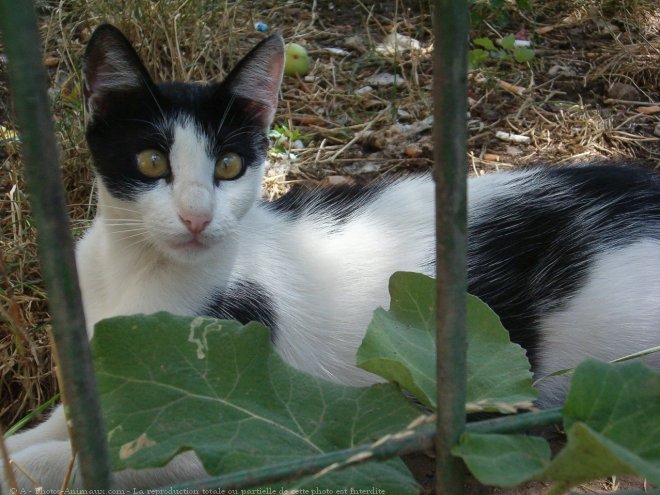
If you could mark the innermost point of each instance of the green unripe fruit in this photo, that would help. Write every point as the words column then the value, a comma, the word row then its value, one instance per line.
column 296, row 60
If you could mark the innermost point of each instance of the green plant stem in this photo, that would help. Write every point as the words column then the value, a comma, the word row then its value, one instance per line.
column 27, row 79
column 632, row 492
column 517, row 422
column 340, row 459
column 410, row 441
column 450, row 29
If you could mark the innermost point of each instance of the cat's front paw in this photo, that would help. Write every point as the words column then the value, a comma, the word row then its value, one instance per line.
column 43, row 465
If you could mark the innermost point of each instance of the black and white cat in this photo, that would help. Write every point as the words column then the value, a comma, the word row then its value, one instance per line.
column 570, row 258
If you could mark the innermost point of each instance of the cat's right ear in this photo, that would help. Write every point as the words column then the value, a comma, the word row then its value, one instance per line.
column 111, row 67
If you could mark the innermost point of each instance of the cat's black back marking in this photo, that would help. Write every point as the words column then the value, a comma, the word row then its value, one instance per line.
column 243, row 301
column 337, row 203
column 543, row 246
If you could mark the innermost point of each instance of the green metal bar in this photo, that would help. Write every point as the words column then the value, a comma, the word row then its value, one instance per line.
column 27, row 79
column 403, row 443
column 450, row 29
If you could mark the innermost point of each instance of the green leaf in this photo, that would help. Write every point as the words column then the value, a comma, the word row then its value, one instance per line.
column 523, row 54
column 612, row 418
column 171, row 383
column 484, row 43
column 400, row 346
column 499, row 376
column 477, row 56
column 619, row 400
column 589, row 455
column 523, row 5
column 503, row 460
column 508, row 42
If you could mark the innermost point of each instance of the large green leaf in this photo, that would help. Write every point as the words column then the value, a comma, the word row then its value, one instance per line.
column 172, row 383
column 612, row 417
column 400, row 346
column 503, row 460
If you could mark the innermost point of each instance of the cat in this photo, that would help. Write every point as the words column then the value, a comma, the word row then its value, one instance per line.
column 568, row 257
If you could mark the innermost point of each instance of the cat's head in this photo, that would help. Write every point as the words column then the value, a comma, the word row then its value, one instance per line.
column 179, row 164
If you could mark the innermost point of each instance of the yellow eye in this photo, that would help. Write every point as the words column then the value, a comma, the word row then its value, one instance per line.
column 153, row 164
column 229, row 166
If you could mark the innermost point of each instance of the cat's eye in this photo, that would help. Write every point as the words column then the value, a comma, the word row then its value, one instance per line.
column 153, row 164
column 229, row 166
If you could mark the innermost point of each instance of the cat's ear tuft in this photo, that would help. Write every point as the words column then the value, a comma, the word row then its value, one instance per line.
column 110, row 66
column 258, row 77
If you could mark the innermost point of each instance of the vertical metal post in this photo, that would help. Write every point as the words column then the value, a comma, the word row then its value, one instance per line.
column 28, row 87
column 450, row 29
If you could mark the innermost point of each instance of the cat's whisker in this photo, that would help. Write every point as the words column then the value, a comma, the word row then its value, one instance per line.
column 232, row 138
column 158, row 127
column 113, row 222
column 133, row 236
column 153, row 96
column 108, row 221
column 144, row 241
column 114, row 226
column 120, row 208
column 125, row 231
column 243, row 132
column 122, row 219
column 224, row 115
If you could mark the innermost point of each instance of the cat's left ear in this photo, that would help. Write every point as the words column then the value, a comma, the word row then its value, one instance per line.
column 258, row 76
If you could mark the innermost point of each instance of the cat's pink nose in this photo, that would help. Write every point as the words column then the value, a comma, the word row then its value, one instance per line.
column 195, row 223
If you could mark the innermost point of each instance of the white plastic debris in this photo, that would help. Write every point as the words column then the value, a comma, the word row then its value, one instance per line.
column 396, row 43
column 563, row 70
column 415, row 127
column 362, row 168
column 385, row 79
column 364, row 90
column 337, row 51
column 512, row 138
column 522, row 43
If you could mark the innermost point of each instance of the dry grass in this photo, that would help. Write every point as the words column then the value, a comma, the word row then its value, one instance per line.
column 566, row 110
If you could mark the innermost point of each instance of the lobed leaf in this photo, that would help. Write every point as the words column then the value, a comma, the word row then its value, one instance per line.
column 503, row 460
column 523, row 54
column 400, row 347
column 509, row 42
column 612, row 418
column 484, row 43
column 171, row 383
